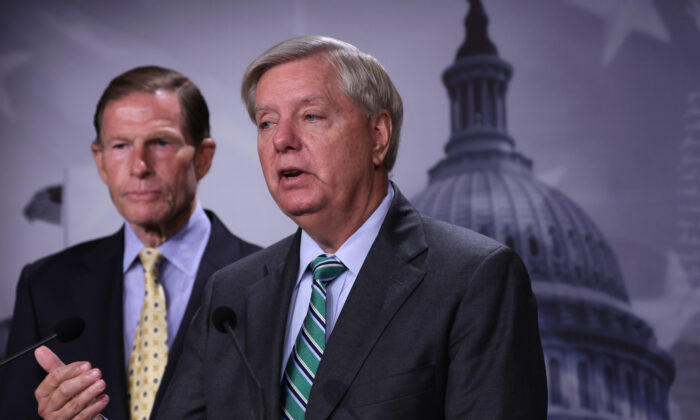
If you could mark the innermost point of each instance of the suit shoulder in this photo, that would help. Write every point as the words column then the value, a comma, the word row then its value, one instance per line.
column 71, row 258
column 251, row 266
column 457, row 248
column 460, row 240
column 468, row 260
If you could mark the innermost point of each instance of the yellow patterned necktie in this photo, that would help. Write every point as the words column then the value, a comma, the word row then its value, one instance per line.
column 149, row 353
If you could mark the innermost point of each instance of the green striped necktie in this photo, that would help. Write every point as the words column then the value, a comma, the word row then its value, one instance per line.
column 310, row 343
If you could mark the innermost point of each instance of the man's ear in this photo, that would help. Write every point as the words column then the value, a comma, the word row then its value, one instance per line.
column 204, row 155
column 97, row 154
column 381, row 127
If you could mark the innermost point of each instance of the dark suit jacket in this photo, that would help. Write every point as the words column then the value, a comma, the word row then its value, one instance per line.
column 87, row 280
column 441, row 322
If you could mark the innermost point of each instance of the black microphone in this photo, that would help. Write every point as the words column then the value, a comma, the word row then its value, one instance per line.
column 67, row 330
column 224, row 320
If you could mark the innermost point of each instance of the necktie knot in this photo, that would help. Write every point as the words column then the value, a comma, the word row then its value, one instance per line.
column 150, row 258
column 326, row 268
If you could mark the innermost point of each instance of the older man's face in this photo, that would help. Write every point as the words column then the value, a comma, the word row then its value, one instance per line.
column 318, row 151
column 150, row 169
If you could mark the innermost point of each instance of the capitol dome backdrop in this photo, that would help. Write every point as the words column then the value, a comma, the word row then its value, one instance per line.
column 603, row 361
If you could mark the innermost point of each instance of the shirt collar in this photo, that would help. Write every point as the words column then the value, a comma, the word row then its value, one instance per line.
column 180, row 250
column 355, row 249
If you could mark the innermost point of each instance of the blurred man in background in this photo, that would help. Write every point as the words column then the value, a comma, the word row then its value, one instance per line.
column 138, row 288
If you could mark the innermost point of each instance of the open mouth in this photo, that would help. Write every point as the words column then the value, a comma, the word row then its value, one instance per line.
column 292, row 173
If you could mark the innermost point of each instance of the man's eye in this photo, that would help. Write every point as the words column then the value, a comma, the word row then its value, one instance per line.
column 161, row 142
column 264, row 125
column 311, row 117
column 118, row 146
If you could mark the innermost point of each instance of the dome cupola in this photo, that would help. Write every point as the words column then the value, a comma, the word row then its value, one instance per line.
column 602, row 360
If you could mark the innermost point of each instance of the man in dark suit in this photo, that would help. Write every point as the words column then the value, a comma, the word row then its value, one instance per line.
column 371, row 310
column 152, row 147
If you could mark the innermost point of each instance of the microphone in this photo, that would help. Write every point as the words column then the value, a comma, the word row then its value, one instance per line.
column 224, row 315
column 224, row 320
column 67, row 330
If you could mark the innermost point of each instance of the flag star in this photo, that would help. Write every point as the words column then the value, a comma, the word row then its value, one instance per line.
column 622, row 17
column 9, row 62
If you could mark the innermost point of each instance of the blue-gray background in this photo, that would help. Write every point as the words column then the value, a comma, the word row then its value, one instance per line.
column 605, row 99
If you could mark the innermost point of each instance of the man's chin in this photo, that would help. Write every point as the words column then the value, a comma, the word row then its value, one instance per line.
column 299, row 210
column 145, row 217
column 299, row 202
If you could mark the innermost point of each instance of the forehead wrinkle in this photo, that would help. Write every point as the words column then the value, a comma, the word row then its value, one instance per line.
column 311, row 99
column 133, row 113
column 307, row 100
column 322, row 87
column 148, row 128
column 304, row 100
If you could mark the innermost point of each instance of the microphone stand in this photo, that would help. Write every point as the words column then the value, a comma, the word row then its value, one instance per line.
column 28, row 349
column 261, row 399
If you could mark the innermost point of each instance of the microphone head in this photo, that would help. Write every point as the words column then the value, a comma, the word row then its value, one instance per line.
column 223, row 315
column 69, row 329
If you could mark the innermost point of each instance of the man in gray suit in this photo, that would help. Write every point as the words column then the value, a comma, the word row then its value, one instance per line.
column 370, row 310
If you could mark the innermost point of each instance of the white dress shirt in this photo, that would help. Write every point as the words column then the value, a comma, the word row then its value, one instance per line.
column 352, row 254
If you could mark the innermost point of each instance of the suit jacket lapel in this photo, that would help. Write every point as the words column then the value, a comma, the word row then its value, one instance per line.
column 386, row 279
column 98, row 293
column 267, row 306
column 222, row 249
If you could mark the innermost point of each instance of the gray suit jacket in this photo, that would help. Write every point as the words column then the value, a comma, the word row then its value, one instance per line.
column 440, row 323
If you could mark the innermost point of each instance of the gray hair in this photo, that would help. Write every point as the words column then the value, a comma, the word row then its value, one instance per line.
column 361, row 77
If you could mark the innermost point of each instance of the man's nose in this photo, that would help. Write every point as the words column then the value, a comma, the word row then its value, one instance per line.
column 286, row 136
column 140, row 161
